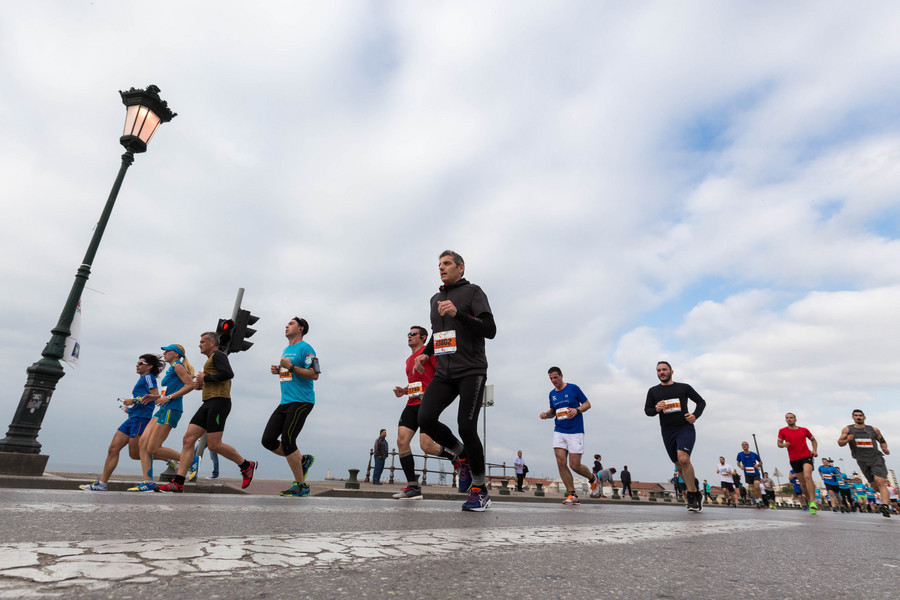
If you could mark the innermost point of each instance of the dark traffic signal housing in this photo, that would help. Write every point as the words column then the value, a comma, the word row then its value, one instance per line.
column 242, row 331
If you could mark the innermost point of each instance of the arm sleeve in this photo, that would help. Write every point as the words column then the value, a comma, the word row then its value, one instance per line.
column 650, row 405
column 483, row 324
column 220, row 362
column 698, row 400
column 429, row 347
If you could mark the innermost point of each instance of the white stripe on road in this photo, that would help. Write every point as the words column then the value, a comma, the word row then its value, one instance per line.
column 100, row 564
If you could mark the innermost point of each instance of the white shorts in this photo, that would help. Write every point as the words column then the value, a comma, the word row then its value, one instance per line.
column 573, row 442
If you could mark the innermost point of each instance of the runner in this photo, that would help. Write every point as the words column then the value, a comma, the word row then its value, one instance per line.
column 844, row 489
column 215, row 381
column 798, row 491
column 769, row 486
column 863, row 439
column 567, row 404
column 750, row 464
column 416, row 385
column 828, row 473
column 461, row 319
column 176, row 383
column 297, row 370
column 140, row 410
column 669, row 401
column 800, row 456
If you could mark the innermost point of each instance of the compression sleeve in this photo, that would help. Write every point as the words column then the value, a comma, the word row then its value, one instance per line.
column 483, row 324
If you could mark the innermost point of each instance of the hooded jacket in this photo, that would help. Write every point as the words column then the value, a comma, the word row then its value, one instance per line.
column 460, row 339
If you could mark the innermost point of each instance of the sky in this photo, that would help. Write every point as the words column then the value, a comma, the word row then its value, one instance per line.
column 710, row 184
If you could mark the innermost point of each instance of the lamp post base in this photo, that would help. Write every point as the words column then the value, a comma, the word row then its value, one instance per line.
column 17, row 463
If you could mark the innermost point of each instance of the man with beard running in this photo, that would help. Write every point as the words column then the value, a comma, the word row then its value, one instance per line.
column 461, row 320
column 863, row 440
column 669, row 401
column 800, row 456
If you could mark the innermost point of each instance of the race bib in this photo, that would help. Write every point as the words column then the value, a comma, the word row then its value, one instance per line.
column 864, row 443
column 672, row 405
column 445, row 342
column 284, row 375
column 562, row 413
column 414, row 389
column 750, row 471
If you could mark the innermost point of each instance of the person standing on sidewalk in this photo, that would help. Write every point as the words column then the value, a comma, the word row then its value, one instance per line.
column 461, row 320
column 380, row 453
column 669, row 400
column 297, row 370
column 567, row 404
column 625, row 476
column 215, row 381
column 519, row 464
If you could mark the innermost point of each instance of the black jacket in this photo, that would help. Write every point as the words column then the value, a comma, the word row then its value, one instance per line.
column 472, row 324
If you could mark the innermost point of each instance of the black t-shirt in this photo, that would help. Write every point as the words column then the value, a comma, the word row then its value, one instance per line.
column 676, row 396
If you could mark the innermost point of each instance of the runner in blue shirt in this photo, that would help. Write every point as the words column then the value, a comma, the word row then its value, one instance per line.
column 140, row 409
column 798, row 490
column 828, row 473
column 750, row 464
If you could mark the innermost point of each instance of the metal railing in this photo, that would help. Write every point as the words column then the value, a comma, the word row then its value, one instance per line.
column 425, row 471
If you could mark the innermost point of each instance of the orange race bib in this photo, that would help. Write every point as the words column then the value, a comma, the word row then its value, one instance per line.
column 562, row 413
column 865, row 443
column 671, row 405
column 284, row 375
column 445, row 342
column 414, row 389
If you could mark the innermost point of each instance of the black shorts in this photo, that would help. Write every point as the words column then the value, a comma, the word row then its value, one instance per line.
column 832, row 488
column 748, row 479
column 727, row 485
column 286, row 422
column 409, row 418
column 873, row 467
column 212, row 414
column 797, row 465
column 679, row 438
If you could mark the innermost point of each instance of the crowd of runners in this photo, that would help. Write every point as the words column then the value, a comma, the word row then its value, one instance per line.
column 452, row 364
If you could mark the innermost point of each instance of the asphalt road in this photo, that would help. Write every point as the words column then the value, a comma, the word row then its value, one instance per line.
column 71, row 544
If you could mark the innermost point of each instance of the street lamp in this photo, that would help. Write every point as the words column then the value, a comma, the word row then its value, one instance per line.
column 20, row 450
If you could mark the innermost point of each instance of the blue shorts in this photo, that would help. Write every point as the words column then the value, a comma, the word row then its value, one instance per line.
column 679, row 438
column 133, row 427
column 168, row 416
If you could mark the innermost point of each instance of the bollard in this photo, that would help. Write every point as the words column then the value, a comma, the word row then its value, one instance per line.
column 634, row 496
column 615, row 495
column 353, row 482
column 652, row 496
column 538, row 489
column 504, row 488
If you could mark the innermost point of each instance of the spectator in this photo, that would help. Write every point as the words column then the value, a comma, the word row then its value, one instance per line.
column 520, row 471
column 625, row 476
column 706, row 489
column 381, row 453
column 606, row 476
column 598, row 466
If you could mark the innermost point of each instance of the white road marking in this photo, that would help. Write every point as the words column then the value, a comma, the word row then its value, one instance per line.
column 100, row 564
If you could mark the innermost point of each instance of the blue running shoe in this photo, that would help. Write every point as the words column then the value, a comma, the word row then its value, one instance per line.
column 94, row 487
column 464, row 475
column 144, row 486
column 195, row 467
column 298, row 490
column 308, row 460
column 478, row 500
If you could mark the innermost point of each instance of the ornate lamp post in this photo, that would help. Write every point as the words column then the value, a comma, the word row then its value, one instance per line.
column 20, row 450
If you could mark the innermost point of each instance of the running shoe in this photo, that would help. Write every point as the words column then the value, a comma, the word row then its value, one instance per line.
column 412, row 492
column 94, row 487
column 692, row 504
column 813, row 508
column 248, row 473
column 571, row 498
column 596, row 488
column 308, row 460
column 144, row 486
column 465, row 475
column 171, row 487
column 699, row 498
column 193, row 471
column 297, row 490
column 478, row 500
column 885, row 511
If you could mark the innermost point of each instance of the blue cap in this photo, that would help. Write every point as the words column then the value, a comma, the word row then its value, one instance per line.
column 177, row 348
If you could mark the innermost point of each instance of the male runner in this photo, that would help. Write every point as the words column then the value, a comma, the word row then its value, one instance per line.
column 769, row 487
column 750, row 464
column 669, row 401
column 862, row 439
column 461, row 319
column 800, row 456
column 828, row 473
column 725, row 472
column 297, row 370
column 215, row 381
column 409, row 418
column 567, row 404
column 844, row 489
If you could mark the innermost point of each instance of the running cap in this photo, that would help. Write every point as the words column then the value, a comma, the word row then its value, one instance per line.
column 177, row 348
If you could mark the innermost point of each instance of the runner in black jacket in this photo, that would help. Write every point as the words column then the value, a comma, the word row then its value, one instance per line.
column 461, row 319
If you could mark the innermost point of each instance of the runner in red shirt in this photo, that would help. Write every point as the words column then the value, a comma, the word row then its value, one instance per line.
column 794, row 439
column 409, row 419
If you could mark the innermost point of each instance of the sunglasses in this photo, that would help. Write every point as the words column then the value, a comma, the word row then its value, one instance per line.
column 414, row 333
column 142, row 363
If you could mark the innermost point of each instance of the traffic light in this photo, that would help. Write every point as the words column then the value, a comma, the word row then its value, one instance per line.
column 225, row 331
column 242, row 331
